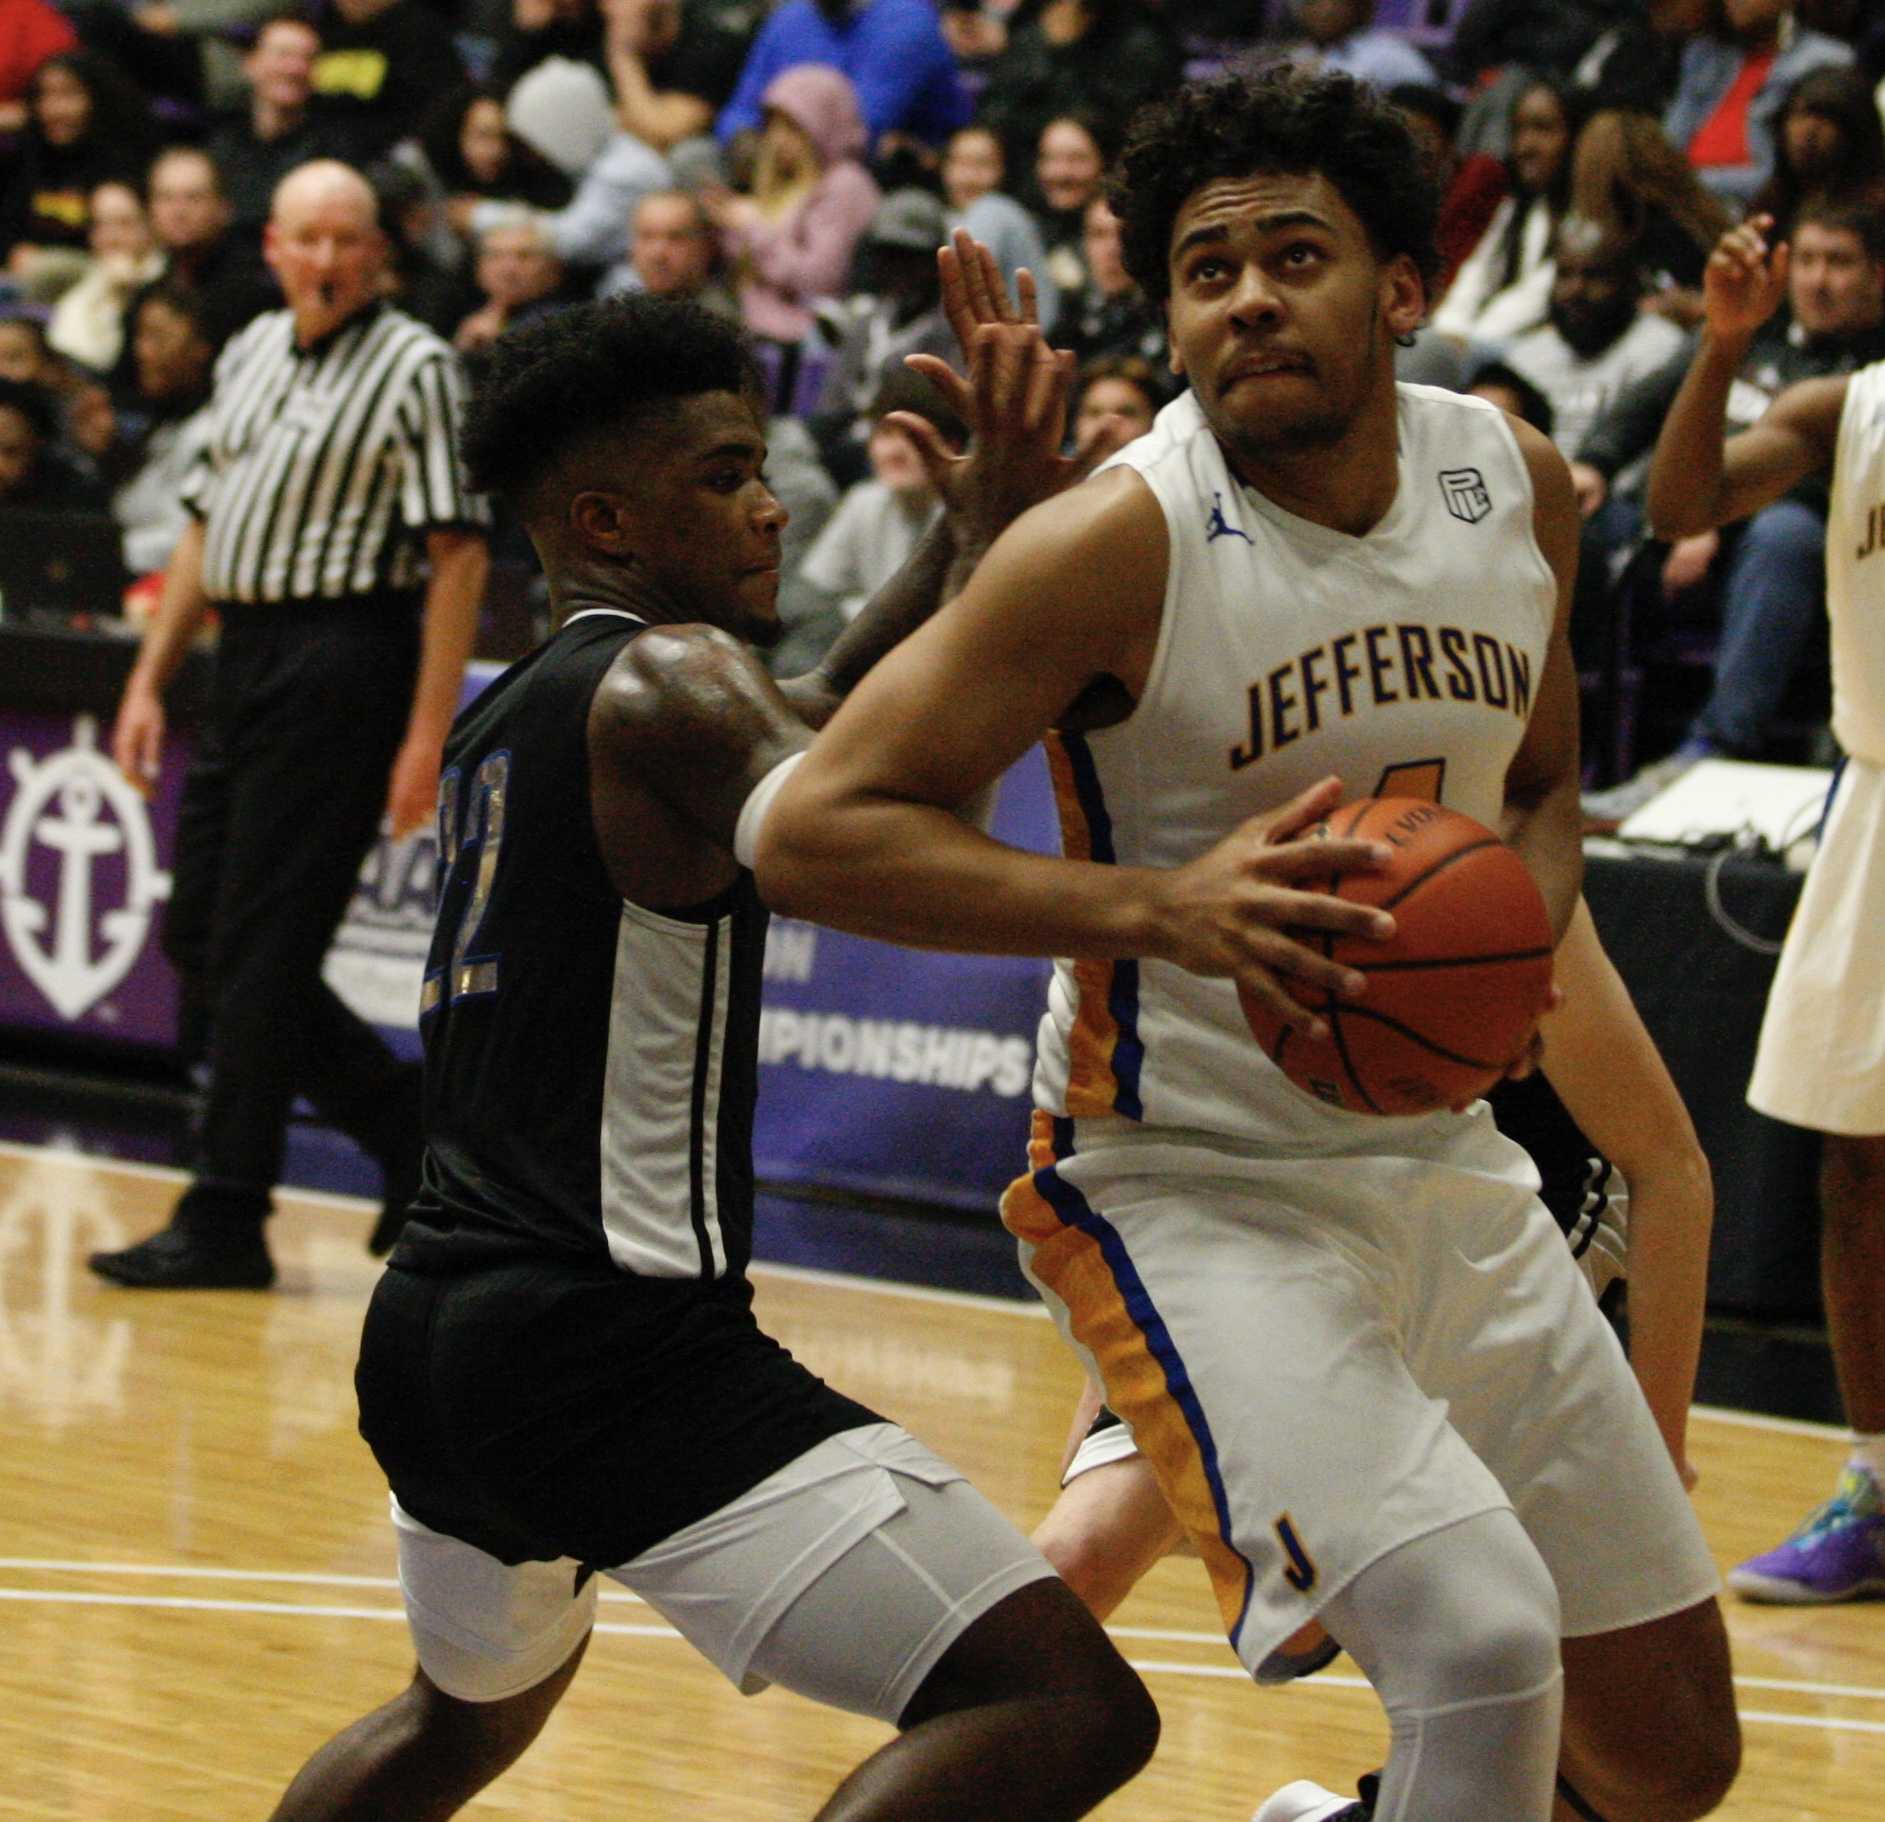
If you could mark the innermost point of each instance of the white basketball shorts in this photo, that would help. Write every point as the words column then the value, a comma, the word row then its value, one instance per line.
column 1326, row 1358
column 1821, row 1058
column 769, row 1588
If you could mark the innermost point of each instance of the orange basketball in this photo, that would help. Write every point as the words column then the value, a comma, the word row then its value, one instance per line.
column 1453, row 997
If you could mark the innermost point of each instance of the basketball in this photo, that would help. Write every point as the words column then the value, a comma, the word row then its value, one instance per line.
column 1452, row 997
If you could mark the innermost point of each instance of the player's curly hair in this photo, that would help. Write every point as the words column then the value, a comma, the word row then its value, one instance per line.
column 1282, row 119
column 593, row 368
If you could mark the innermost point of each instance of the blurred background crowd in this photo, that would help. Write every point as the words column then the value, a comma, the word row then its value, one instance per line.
column 798, row 164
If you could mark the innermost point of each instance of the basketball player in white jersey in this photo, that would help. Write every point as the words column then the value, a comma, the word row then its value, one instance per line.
column 1355, row 1349
column 1628, row 1184
column 1821, row 1058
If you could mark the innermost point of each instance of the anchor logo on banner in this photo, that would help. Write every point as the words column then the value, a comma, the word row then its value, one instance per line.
column 78, row 805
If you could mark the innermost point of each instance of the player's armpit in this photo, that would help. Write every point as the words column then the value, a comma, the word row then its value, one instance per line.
column 689, row 716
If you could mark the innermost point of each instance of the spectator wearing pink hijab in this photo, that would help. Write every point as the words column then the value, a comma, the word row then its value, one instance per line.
column 790, row 242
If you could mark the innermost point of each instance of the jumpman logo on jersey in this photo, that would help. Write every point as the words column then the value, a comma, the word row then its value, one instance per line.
column 1217, row 526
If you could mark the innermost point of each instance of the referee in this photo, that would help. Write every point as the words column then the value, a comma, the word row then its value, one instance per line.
column 332, row 532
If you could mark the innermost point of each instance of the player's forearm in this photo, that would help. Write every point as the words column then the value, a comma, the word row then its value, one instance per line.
column 1671, row 1211
column 180, row 612
column 1686, row 493
column 448, row 628
column 914, row 874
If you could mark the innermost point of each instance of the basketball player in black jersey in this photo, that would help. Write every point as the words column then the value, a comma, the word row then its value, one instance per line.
column 560, row 1372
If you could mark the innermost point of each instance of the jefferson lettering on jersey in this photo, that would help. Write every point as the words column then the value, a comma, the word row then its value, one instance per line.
column 1406, row 661
column 1378, row 666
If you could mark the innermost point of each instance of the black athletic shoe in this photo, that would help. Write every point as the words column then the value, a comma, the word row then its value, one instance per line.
column 191, row 1258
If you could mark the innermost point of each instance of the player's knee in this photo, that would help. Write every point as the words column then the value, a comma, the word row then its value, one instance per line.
column 478, row 1741
column 1711, row 1764
column 1041, row 1647
column 1510, row 1655
column 1113, row 1712
column 1107, row 1528
column 1082, row 1560
column 1071, row 1549
column 1465, row 1616
column 1683, row 1771
column 1651, row 1733
column 1120, row 1715
column 1678, row 1783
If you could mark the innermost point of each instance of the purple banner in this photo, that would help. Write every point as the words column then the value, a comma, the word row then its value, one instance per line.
column 84, row 873
column 901, row 1073
column 883, row 1071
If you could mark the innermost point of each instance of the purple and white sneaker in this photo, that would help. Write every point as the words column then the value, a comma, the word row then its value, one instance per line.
column 1837, row 1555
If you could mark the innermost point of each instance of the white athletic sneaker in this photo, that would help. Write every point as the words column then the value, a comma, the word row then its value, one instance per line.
column 1306, row 1802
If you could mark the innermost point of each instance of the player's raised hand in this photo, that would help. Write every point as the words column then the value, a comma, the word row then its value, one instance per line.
column 1745, row 279
column 1245, row 908
column 1013, row 398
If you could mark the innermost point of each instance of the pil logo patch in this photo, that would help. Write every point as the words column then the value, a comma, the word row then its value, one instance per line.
column 1464, row 490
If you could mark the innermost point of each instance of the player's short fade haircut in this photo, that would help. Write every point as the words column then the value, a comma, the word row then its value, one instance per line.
column 1284, row 119
column 594, row 368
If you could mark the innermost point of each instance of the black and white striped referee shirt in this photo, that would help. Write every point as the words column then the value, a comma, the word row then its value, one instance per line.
column 327, row 465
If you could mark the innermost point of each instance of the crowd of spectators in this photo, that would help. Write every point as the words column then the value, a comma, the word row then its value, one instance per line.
column 796, row 163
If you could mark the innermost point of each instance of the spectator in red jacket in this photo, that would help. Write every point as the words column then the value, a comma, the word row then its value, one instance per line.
column 30, row 31
column 1471, row 188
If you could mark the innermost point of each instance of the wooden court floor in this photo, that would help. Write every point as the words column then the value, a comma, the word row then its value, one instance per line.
column 195, row 1564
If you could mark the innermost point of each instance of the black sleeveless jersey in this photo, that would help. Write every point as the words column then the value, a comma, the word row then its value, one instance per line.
column 590, row 1064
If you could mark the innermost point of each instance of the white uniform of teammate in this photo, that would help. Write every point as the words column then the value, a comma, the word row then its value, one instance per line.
column 1821, row 1061
column 1331, row 1333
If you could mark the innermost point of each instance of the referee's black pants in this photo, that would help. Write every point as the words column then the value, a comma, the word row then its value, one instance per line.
column 308, row 708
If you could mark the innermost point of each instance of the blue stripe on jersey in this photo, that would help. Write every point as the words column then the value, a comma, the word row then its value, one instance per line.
column 1076, row 1211
column 1122, row 1001
column 1832, row 791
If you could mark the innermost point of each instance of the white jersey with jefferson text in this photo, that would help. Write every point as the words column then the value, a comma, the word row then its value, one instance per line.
column 1405, row 661
column 1855, row 568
